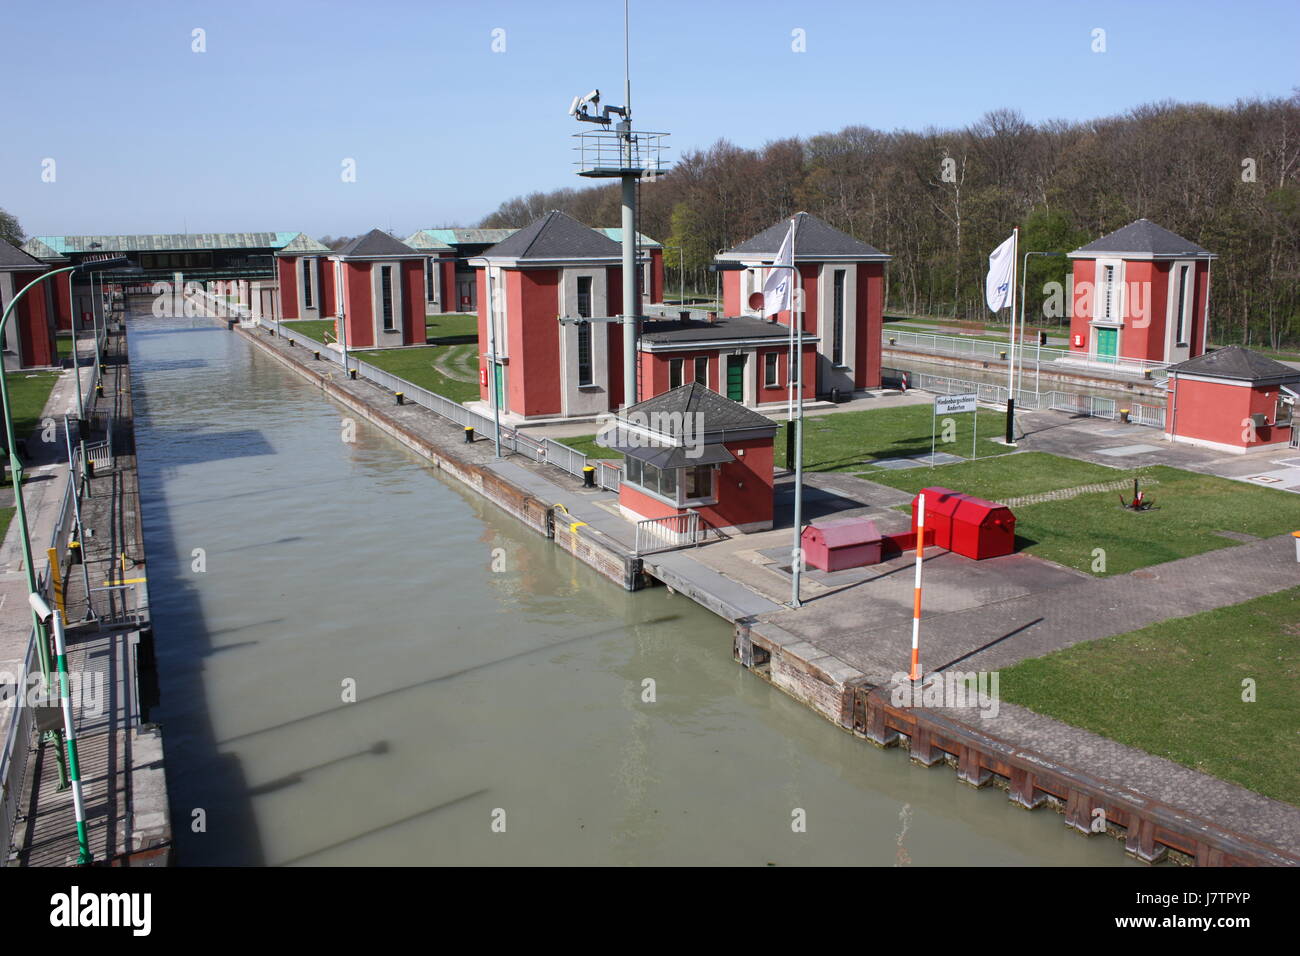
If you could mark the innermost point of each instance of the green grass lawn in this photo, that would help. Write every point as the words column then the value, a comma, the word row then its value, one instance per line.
column 1174, row 689
column 1190, row 508
column 28, row 393
column 850, row 440
column 587, row 445
column 451, row 323
column 417, row 366
column 322, row 330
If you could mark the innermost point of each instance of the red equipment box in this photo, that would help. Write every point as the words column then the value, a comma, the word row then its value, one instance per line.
column 967, row 525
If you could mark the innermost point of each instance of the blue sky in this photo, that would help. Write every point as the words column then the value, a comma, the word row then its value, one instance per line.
column 149, row 136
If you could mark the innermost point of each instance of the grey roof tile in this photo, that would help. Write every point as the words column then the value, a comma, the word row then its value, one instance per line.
column 1146, row 238
column 718, row 414
column 376, row 244
column 1240, row 364
column 13, row 258
column 556, row 236
column 814, row 240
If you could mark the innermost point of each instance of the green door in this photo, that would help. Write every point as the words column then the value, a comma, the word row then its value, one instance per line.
column 736, row 378
column 1106, row 343
column 501, row 386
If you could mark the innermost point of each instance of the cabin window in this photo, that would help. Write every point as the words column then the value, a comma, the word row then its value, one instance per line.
column 698, row 482
column 702, row 370
column 771, row 375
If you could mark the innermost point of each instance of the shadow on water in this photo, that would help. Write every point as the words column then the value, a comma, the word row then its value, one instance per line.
column 228, row 832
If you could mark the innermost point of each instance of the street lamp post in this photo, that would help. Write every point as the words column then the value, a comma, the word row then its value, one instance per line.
column 15, row 463
column 1024, row 282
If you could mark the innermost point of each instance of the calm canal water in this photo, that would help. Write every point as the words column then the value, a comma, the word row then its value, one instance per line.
column 477, row 691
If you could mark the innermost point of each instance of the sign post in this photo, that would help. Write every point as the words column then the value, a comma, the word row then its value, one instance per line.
column 952, row 405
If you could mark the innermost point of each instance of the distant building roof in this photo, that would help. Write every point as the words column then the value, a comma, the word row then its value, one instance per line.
column 167, row 242
column 302, row 245
column 13, row 259
column 667, row 412
column 1142, row 239
column 376, row 244
column 616, row 233
column 469, row 237
column 1238, row 364
column 35, row 247
column 668, row 333
column 425, row 241
column 555, row 237
column 816, row 241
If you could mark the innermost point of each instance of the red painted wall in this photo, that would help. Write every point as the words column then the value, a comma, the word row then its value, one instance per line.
column 62, row 302
column 1214, row 412
column 285, row 266
column 328, row 301
column 532, row 303
column 1081, row 308
column 413, row 328
column 35, row 317
column 871, row 321
column 450, row 303
column 656, row 275
column 359, row 310
column 1147, row 286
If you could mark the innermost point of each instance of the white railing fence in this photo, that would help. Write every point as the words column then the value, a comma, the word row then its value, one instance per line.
column 1026, row 353
column 666, row 533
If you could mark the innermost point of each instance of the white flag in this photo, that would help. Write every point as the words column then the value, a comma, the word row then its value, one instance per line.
column 776, row 290
column 997, row 287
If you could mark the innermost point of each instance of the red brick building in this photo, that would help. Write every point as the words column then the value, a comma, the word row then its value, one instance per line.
column 1232, row 399
column 379, row 282
column 29, row 335
column 1141, row 293
column 554, row 268
column 690, row 449
column 843, row 284
column 306, row 279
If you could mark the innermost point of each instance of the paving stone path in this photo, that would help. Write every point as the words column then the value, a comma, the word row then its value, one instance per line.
column 1063, row 493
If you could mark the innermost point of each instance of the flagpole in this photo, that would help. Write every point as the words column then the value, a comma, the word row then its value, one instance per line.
column 1011, row 355
column 796, row 317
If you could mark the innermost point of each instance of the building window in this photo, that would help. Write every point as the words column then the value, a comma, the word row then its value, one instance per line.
column 584, row 353
column 1183, row 306
column 837, row 320
column 702, row 370
column 584, row 296
column 386, row 295
column 306, row 283
column 771, row 377
column 1108, row 305
column 675, row 372
column 648, row 477
column 429, row 293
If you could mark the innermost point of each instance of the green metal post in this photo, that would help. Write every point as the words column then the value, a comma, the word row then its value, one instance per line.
column 70, row 735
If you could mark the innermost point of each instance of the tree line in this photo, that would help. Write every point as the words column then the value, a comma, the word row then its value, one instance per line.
column 939, row 201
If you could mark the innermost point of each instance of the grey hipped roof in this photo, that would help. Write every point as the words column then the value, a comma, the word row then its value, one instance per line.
column 814, row 242
column 555, row 236
column 376, row 244
column 718, row 415
column 1143, row 238
column 13, row 259
column 1238, row 364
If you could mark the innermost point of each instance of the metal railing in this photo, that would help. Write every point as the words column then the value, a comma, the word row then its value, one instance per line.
column 669, row 532
column 546, row 450
column 1092, row 406
column 1027, row 353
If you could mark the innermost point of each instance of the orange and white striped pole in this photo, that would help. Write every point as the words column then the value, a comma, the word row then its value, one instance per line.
column 916, row 596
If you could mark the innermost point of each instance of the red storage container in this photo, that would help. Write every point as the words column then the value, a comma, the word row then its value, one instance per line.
column 843, row 543
column 967, row 525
